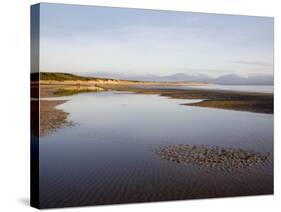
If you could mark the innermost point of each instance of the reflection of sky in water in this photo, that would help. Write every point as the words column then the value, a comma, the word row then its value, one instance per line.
column 246, row 88
column 116, row 133
column 154, row 119
column 250, row 88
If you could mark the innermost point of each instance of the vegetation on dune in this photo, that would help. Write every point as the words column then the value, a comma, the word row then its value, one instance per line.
column 60, row 76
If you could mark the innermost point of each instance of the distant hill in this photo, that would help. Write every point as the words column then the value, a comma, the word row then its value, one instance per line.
column 178, row 77
column 231, row 79
column 237, row 80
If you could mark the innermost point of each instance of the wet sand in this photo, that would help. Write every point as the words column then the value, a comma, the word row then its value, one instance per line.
column 232, row 100
column 51, row 118
column 65, row 89
column 213, row 157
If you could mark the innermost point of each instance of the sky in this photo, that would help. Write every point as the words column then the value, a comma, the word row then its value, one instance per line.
column 79, row 39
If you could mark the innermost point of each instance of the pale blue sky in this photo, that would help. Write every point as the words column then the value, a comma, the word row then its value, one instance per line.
column 136, row 41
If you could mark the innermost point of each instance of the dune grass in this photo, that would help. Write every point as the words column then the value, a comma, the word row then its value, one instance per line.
column 59, row 76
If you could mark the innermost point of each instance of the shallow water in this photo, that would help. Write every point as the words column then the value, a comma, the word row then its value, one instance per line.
column 108, row 156
column 247, row 88
column 244, row 88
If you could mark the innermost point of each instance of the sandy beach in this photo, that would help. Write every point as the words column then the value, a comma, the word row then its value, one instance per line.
column 52, row 118
column 232, row 100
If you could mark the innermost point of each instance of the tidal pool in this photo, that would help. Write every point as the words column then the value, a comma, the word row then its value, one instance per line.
column 108, row 155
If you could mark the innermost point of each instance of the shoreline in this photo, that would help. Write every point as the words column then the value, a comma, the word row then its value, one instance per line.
column 222, row 99
column 51, row 118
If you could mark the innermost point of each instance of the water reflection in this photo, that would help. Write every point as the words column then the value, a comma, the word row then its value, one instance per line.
column 109, row 157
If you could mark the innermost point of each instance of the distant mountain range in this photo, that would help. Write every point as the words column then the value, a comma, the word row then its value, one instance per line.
column 238, row 80
column 230, row 79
